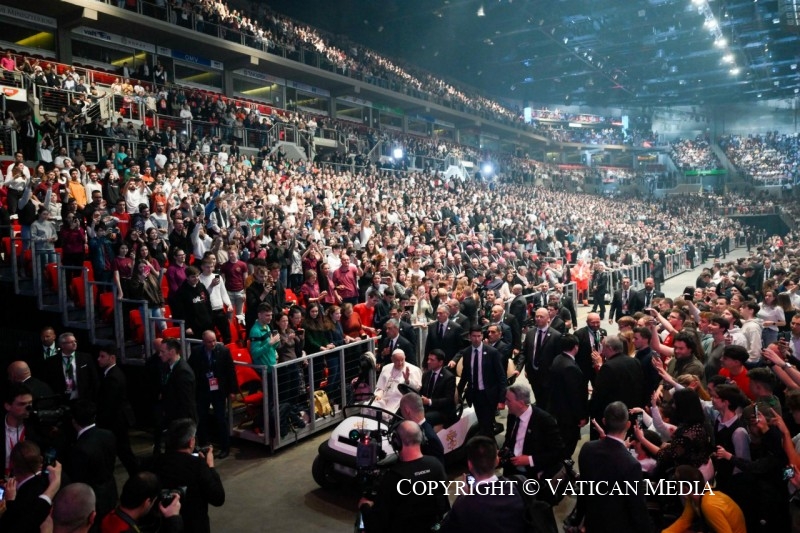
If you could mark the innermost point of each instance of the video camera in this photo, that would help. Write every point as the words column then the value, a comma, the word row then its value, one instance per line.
column 505, row 454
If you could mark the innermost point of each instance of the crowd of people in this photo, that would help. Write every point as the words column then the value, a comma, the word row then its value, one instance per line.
column 772, row 157
column 693, row 154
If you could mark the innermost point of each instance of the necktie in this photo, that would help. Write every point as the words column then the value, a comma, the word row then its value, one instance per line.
column 167, row 373
column 475, row 367
column 596, row 340
column 646, row 300
column 513, row 437
column 432, row 383
column 539, row 342
column 391, row 345
column 69, row 373
column 441, row 330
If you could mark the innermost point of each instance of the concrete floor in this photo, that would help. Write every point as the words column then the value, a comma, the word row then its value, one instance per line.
column 276, row 493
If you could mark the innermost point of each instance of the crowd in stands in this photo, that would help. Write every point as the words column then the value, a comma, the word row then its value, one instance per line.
column 694, row 154
column 277, row 32
column 772, row 157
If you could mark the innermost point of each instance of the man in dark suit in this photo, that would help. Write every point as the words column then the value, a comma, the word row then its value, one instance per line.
column 444, row 335
column 644, row 298
column 532, row 444
column 556, row 320
column 539, row 298
column 565, row 303
column 72, row 374
column 392, row 340
column 438, row 391
column 541, row 347
column 494, row 337
column 43, row 350
column 28, row 509
column 457, row 317
column 519, row 306
column 568, row 401
column 621, row 303
column 179, row 468
column 599, row 289
column 93, row 456
column 114, row 411
column 490, row 509
column 619, row 379
column 484, row 374
column 589, row 340
column 177, row 394
column 608, row 460
column 411, row 409
column 215, row 380
column 20, row 372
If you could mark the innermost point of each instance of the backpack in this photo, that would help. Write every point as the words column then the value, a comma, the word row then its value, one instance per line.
column 322, row 407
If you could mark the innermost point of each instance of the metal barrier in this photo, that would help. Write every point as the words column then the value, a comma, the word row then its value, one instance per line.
column 288, row 394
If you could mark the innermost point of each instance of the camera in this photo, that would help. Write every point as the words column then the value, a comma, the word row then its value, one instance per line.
column 202, row 449
column 48, row 459
column 788, row 473
column 166, row 496
column 51, row 417
column 505, row 454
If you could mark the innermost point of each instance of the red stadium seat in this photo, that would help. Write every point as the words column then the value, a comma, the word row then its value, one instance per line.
column 240, row 354
column 106, row 306
column 137, row 326
column 173, row 332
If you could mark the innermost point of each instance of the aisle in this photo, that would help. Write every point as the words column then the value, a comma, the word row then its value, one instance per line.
column 672, row 288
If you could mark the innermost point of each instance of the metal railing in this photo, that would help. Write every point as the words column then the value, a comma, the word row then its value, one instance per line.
column 288, row 393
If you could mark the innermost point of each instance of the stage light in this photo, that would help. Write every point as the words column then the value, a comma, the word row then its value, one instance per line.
column 487, row 169
column 734, row 71
column 721, row 42
column 727, row 58
column 397, row 153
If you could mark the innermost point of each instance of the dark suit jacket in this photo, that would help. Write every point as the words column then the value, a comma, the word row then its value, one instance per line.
column 608, row 460
column 443, row 394
column 221, row 365
column 616, row 304
column 550, row 348
column 431, row 445
column 26, row 513
column 92, row 462
column 463, row 322
column 494, row 375
column 113, row 407
column 85, row 373
column 178, row 394
column 638, row 302
column 519, row 309
column 403, row 344
column 619, row 379
column 203, row 487
column 568, row 401
column 542, row 442
column 584, row 356
column 539, row 300
column 558, row 324
column 489, row 512
column 451, row 343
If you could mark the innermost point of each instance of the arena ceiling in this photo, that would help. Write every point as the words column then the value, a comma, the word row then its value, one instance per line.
column 591, row 52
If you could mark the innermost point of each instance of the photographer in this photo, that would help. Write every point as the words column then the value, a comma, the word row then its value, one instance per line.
column 391, row 511
column 181, row 466
column 18, row 404
column 140, row 495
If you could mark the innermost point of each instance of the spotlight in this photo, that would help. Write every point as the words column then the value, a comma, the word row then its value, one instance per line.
column 397, row 153
column 721, row 42
column 727, row 58
column 487, row 169
column 734, row 71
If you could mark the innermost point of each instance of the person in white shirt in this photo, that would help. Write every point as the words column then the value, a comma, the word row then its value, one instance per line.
column 220, row 301
column 387, row 394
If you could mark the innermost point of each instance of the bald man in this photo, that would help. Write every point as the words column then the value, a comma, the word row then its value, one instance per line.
column 20, row 372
